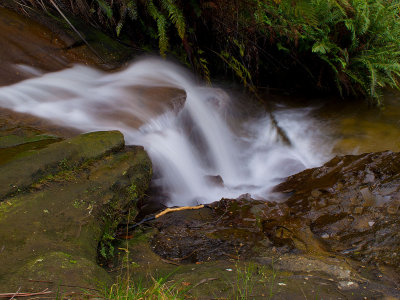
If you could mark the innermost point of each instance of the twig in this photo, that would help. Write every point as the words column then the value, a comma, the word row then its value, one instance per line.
column 15, row 293
column 185, row 257
column 66, row 285
column 9, row 295
column 165, row 211
column 204, row 281
column 170, row 262
column 76, row 30
column 303, row 293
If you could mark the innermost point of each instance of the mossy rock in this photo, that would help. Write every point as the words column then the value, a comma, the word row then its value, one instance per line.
column 19, row 173
column 16, row 146
column 13, row 140
column 52, row 229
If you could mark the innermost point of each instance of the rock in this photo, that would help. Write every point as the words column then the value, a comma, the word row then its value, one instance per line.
column 54, row 232
column 316, row 193
column 332, row 214
column 358, row 210
column 323, row 230
column 21, row 172
column 364, row 230
column 393, row 207
column 16, row 140
column 347, row 285
column 369, row 199
column 215, row 180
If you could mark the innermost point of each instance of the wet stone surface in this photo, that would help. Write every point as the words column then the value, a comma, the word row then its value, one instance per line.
column 340, row 221
column 352, row 204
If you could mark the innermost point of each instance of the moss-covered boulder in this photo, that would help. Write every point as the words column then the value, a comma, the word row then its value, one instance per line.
column 72, row 195
column 19, row 173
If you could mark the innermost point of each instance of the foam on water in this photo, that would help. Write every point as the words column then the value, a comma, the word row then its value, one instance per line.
column 188, row 144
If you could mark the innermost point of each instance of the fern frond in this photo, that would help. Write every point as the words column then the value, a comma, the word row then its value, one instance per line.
column 176, row 16
column 161, row 26
column 106, row 8
column 240, row 70
column 132, row 9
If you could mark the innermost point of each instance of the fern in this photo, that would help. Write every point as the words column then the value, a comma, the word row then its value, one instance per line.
column 128, row 7
column 106, row 8
column 358, row 40
column 176, row 16
column 132, row 9
column 240, row 70
column 161, row 26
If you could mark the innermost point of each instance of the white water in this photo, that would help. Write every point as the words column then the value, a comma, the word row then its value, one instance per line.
column 186, row 144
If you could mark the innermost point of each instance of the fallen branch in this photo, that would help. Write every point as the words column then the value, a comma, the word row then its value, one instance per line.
column 16, row 293
column 12, row 295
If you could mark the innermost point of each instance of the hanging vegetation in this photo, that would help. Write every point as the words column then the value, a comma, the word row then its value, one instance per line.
column 348, row 46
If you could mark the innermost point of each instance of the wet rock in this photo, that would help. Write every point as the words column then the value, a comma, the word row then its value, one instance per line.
column 347, row 285
column 369, row 199
column 359, row 226
column 51, row 45
column 393, row 207
column 332, row 224
column 21, row 172
column 53, row 230
column 281, row 275
column 215, row 180
column 316, row 193
column 16, row 140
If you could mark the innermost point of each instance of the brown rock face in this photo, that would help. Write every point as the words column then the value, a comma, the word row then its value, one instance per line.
column 352, row 203
column 349, row 206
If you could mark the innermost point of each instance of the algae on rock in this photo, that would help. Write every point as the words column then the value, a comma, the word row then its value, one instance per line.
column 51, row 231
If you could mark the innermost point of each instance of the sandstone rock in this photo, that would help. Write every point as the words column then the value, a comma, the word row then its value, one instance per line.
column 23, row 171
column 53, row 231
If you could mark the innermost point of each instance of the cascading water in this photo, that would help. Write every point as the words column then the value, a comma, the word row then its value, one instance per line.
column 190, row 142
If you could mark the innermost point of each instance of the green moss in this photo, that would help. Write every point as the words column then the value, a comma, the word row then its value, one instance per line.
column 70, row 219
column 142, row 236
column 8, row 205
column 132, row 191
column 15, row 140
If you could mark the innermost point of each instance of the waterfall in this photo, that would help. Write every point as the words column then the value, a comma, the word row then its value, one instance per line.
column 187, row 128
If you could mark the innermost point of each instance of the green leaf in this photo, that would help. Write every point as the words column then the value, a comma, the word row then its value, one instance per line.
column 320, row 47
column 105, row 8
